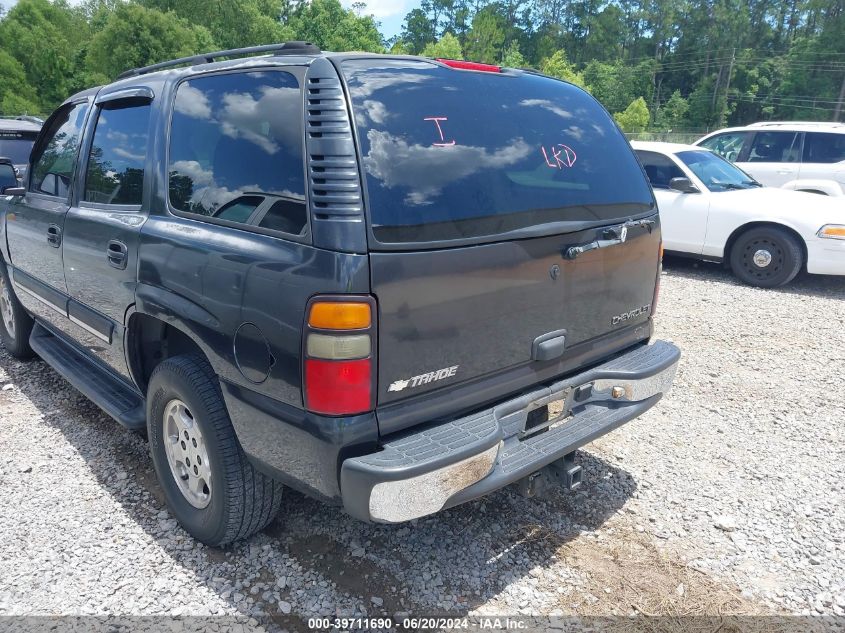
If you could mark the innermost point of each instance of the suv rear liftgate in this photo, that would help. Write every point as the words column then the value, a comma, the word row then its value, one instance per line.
column 513, row 241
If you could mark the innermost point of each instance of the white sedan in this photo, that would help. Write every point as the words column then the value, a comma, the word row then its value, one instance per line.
column 713, row 210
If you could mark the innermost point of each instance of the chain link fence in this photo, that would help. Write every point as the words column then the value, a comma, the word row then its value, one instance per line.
column 668, row 137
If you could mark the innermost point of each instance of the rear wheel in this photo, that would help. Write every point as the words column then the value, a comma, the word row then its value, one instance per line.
column 15, row 323
column 210, row 486
column 766, row 257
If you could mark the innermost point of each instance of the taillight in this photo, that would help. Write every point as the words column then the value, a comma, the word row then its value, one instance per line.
column 338, row 387
column 657, row 281
column 462, row 65
column 339, row 367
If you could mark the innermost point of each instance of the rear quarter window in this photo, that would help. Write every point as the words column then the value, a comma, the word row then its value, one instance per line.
column 452, row 155
column 236, row 150
column 822, row 147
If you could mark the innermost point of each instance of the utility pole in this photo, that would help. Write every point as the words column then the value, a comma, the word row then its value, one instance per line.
column 716, row 87
column 730, row 72
column 656, row 106
column 840, row 102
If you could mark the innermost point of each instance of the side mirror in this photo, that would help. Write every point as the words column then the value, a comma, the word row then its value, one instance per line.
column 684, row 185
column 13, row 191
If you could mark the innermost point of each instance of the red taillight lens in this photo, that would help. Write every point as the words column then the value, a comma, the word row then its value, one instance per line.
column 339, row 348
column 338, row 387
column 462, row 65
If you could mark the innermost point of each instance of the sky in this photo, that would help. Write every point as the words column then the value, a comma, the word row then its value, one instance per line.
column 390, row 13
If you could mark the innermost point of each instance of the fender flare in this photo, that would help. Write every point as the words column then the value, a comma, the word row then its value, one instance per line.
column 176, row 311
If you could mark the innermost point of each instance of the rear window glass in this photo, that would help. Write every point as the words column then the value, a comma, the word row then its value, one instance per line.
column 454, row 155
column 16, row 146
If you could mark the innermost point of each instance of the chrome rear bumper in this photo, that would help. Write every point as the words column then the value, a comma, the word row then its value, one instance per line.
column 439, row 466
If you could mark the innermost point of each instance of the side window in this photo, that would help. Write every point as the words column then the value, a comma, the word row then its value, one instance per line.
column 55, row 154
column 775, row 147
column 727, row 145
column 116, row 162
column 820, row 147
column 660, row 169
column 236, row 150
column 287, row 216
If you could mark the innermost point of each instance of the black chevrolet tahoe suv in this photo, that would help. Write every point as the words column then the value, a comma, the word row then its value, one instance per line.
column 393, row 283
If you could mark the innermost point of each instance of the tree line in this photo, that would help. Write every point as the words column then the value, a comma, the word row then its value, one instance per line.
column 658, row 65
column 51, row 49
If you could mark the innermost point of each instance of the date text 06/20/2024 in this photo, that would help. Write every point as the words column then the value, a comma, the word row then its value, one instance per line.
column 418, row 624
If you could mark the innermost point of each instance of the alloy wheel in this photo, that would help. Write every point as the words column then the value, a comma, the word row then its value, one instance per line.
column 187, row 454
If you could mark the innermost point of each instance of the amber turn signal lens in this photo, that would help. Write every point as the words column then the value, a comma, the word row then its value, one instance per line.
column 336, row 315
column 835, row 231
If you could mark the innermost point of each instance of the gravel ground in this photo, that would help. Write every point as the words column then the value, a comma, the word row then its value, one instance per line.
column 728, row 497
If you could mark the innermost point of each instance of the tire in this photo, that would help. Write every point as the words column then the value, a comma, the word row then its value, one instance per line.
column 225, row 499
column 15, row 323
column 766, row 257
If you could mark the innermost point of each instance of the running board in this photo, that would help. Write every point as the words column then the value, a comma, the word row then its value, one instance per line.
column 111, row 394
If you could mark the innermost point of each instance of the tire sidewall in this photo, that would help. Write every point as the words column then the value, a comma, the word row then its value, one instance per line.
column 9, row 341
column 17, row 345
column 206, row 524
column 793, row 258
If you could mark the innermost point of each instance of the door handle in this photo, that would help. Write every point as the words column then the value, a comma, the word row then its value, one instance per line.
column 54, row 235
column 117, row 254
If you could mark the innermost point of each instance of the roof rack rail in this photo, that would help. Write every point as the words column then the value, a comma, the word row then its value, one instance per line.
column 805, row 123
column 284, row 48
column 22, row 117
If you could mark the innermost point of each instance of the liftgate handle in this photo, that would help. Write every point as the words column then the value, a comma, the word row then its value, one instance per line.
column 610, row 237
